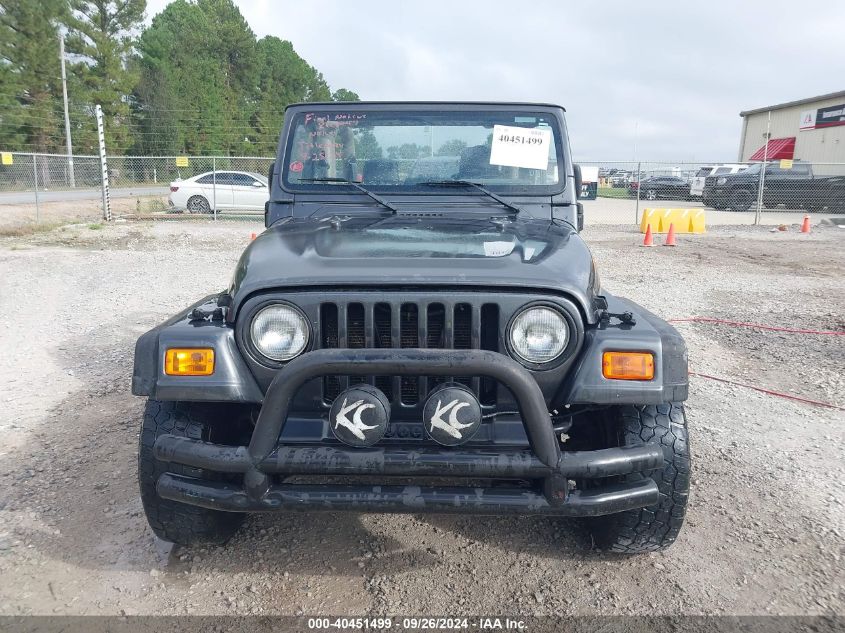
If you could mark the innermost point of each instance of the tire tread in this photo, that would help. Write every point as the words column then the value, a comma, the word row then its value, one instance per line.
column 172, row 521
column 656, row 527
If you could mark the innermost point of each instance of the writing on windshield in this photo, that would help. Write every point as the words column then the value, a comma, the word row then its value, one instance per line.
column 402, row 151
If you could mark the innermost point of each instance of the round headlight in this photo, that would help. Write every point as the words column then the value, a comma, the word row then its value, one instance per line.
column 539, row 335
column 279, row 332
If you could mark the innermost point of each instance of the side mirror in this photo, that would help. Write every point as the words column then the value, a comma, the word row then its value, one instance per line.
column 258, row 184
column 578, row 181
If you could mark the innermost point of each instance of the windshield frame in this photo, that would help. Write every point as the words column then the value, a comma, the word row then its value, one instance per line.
column 552, row 115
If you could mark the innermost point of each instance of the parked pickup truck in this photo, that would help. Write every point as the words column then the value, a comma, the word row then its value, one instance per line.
column 796, row 187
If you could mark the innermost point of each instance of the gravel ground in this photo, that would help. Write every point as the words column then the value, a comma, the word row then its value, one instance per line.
column 764, row 533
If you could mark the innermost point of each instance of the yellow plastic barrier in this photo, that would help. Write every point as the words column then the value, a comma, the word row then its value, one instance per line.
column 685, row 220
column 653, row 217
column 696, row 222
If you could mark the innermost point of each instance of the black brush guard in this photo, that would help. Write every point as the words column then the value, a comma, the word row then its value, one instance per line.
column 545, row 462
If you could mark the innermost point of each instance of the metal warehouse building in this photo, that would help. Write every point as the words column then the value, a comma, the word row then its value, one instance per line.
column 811, row 130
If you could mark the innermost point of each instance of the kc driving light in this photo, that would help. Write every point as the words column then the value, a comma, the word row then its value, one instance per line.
column 539, row 335
column 279, row 332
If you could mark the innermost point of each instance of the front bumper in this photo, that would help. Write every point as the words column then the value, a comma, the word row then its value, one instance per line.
column 264, row 462
column 716, row 195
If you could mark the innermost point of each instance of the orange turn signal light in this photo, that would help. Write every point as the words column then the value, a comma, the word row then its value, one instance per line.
column 179, row 361
column 628, row 365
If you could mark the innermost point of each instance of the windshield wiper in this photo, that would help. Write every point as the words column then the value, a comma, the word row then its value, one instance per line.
column 481, row 188
column 359, row 187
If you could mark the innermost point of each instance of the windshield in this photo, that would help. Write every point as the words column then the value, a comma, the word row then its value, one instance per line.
column 401, row 151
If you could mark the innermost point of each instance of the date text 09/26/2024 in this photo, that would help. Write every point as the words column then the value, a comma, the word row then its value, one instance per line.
column 417, row 623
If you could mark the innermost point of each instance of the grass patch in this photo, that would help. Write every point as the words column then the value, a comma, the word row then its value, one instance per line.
column 95, row 227
column 146, row 206
column 23, row 230
column 612, row 192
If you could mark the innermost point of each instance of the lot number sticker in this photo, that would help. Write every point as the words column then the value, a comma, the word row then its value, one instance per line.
column 520, row 147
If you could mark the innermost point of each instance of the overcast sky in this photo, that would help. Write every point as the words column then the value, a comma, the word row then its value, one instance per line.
column 647, row 80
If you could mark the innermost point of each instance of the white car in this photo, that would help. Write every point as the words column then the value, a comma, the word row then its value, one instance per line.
column 223, row 190
column 697, row 183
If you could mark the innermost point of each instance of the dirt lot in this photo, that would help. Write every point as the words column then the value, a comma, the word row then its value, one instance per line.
column 764, row 534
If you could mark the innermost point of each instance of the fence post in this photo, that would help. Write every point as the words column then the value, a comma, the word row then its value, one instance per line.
column 214, row 184
column 103, row 165
column 637, row 211
column 760, row 185
column 35, row 176
column 762, row 181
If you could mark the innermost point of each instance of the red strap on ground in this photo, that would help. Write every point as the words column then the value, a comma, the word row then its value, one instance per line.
column 769, row 391
column 756, row 326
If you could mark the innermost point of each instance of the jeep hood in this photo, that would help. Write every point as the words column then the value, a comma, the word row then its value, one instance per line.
column 418, row 250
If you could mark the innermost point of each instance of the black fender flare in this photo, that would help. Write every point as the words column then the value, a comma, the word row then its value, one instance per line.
column 231, row 381
column 585, row 383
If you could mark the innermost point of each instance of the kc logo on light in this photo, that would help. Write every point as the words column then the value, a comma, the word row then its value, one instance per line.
column 452, row 426
column 356, row 426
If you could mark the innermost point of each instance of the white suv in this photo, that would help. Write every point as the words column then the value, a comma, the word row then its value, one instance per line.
column 697, row 184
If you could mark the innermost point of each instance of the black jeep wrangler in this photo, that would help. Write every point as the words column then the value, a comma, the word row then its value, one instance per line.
column 420, row 328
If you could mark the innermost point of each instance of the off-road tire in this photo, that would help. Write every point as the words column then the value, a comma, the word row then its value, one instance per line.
column 178, row 522
column 655, row 527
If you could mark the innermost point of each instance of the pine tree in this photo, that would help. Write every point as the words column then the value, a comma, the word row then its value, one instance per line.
column 342, row 94
column 30, row 75
column 283, row 78
column 102, row 35
column 198, row 79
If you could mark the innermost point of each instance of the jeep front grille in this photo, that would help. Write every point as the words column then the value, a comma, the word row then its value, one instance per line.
column 436, row 325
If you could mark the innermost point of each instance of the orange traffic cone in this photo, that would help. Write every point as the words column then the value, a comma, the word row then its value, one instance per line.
column 670, row 236
column 648, row 240
column 252, row 236
column 805, row 227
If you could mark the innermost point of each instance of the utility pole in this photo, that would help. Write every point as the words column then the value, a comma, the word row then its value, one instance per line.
column 71, row 179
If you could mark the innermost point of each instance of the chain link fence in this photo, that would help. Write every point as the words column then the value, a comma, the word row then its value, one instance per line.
column 730, row 192
column 47, row 188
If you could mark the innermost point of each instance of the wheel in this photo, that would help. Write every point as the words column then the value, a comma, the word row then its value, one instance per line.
column 178, row 522
column 656, row 527
column 741, row 200
column 650, row 194
column 198, row 204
